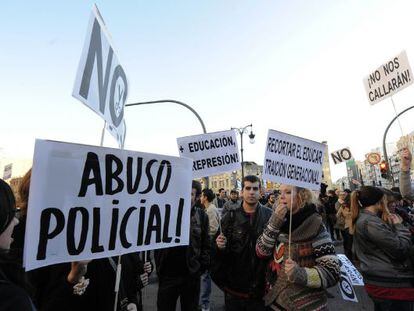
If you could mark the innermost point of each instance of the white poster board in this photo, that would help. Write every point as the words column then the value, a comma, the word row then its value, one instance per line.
column 293, row 160
column 212, row 153
column 341, row 155
column 101, row 82
column 345, row 285
column 352, row 272
column 7, row 173
column 91, row 202
column 388, row 79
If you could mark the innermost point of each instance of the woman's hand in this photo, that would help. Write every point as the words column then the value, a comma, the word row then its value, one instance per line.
column 395, row 219
column 290, row 267
column 280, row 211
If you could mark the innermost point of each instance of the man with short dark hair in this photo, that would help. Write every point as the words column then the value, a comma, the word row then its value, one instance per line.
column 271, row 199
column 231, row 204
column 235, row 250
column 220, row 200
column 207, row 197
column 179, row 268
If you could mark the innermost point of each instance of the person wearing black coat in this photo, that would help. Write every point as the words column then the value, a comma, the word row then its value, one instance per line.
column 242, row 273
column 179, row 268
column 13, row 286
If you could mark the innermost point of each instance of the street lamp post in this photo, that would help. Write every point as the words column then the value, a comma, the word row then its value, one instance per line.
column 178, row 103
column 241, row 131
column 384, row 147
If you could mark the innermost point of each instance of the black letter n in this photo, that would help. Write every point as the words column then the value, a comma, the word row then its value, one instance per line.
column 95, row 49
column 91, row 165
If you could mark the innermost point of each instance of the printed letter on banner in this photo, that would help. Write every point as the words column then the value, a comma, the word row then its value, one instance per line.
column 212, row 153
column 90, row 202
column 101, row 83
column 390, row 78
column 293, row 160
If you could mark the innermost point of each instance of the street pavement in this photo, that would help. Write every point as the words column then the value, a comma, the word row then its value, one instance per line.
column 217, row 298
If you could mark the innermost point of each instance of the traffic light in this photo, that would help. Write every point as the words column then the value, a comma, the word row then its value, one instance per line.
column 384, row 169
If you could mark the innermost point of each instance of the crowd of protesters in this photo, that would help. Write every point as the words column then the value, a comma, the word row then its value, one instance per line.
column 271, row 251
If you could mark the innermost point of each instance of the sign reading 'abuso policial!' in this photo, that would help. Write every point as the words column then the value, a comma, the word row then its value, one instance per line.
column 212, row 153
column 91, row 202
column 293, row 160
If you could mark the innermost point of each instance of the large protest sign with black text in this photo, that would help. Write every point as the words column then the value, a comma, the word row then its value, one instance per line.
column 212, row 153
column 91, row 202
column 293, row 160
column 341, row 155
column 101, row 83
column 388, row 79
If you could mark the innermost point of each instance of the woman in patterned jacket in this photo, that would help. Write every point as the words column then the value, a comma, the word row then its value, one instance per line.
column 297, row 281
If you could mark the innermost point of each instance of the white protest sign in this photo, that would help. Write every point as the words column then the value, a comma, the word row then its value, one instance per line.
column 352, row 272
column 388, row 79
column 293, row 160
column 341, row 155
column 212, row 153
column 345, row 286
column 7, row 173
column 101, row 83
column 91, row 202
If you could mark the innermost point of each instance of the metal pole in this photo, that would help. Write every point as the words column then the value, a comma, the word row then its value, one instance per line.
column 174, row 102
column 384, row 148
column 241, row 151
column 399, row 123
column 178, row 103
column 241, row 130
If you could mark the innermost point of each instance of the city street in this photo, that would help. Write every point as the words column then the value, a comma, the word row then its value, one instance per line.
column 217, row 298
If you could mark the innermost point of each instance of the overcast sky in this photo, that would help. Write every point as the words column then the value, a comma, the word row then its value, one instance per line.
column 292, row 66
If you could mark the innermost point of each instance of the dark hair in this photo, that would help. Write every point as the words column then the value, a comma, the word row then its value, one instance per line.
column 221, row 189
column 7, row 205
column 209, row 194
column 252, row 179
column 234, row 191
column 23, row 191
column 347, row 191
column 331, row 192
column 366, row 196
column 396, row 189
column 197, row 186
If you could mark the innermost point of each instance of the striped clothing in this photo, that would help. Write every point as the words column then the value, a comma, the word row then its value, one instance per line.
column 313, row 251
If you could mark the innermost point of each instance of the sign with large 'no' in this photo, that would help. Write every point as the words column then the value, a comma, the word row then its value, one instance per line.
column 101, row 83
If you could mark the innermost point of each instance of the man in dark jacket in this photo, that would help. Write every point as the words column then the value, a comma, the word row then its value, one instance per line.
column 179, row 268
column 244, row 285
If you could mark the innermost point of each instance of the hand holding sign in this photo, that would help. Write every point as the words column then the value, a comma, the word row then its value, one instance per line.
column 77, row 271
column 406, row 159
column 221, row 241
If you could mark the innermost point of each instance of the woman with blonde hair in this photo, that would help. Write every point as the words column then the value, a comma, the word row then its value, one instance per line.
column 382, row 244
column 298, row 275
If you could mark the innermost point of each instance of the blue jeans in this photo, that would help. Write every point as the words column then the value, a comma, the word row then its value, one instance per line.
column 205, row 290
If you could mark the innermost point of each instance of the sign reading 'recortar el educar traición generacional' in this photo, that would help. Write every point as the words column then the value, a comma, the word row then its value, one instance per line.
column 101, row 83
column 91, row 202
column 293, row 160
column 212, row 153
column 388, row 79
